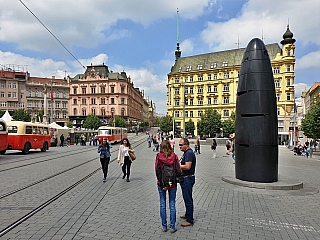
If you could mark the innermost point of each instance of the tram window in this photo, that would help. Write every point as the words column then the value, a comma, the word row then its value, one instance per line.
column 34, row 130
column 12, row 129
column 2, row 126
column 28, row 130
column 46, row 131
column 40, row 130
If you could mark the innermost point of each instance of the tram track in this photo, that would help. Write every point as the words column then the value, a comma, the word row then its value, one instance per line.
column 61, row 193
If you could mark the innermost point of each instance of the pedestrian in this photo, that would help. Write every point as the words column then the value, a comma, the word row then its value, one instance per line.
column 68, row 140
column 124, row 159
column 172, row 142
column 233, row 150
column 61, row 140
column 104, row 150
column 149, row 139
column 168, row 157
column 228, row 146
column 187, row 180
column 90, row 139
column 214, row 148
column 95, row 140
column 198, row 144
column 77, row 139
column 311, row 148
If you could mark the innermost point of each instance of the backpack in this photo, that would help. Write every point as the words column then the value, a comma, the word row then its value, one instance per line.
column 167, row 174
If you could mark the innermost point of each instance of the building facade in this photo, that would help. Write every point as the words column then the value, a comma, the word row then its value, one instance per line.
column 200, row 82
column 105, row 94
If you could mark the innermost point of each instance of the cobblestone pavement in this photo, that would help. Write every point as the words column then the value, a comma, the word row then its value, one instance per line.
column 121, row 210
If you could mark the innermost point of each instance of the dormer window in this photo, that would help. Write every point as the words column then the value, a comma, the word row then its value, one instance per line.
column 213, row 65
column 179, row 69
column 189, row 68
column 200, row 67
column 224, row 64
column 176, row 80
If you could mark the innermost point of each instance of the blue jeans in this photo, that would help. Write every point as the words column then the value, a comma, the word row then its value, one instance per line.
column 186, row 188
column 172, row 205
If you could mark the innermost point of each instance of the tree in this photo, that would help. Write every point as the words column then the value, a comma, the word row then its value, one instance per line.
column 21, row 115
column 119, row 122
column 190, row 127
column 92, row 122
column 310, row 124
column 2, row 112
column 70, row 124
column 228, row 126
column 158, row 121
column 210, row 123
column 166, row 124
column 40, row 116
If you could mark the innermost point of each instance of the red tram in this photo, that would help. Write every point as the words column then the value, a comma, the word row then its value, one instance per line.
column 113, row 134
column 3, row 137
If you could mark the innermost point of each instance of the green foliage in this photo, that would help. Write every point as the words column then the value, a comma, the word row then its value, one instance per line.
column 21, row 115
column 119, row 122
column 1, row 113
column 158, row 121
column 190, row 127
column 70, row 124
column 92, row 122
column 40, row 116
column 228, row 126
column 210, row 123
column 166, row 124
column 144, row 124
column 311, row 122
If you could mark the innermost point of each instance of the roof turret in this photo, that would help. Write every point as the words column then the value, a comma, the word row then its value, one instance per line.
column 288, row 37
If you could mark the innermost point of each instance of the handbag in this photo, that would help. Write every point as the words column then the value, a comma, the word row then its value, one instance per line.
column 132, row 156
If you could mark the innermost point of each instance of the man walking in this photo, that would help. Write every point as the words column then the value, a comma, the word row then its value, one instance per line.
column 188, row 166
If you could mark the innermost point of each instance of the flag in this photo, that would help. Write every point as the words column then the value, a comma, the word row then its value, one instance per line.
column 51, row 94
column 295, row 107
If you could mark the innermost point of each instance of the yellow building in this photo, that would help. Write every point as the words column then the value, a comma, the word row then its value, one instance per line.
column 210, row 81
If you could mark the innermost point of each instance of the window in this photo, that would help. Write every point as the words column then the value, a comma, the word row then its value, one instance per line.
column 2, row 85
column 84, row 91
column 122, row 100
column 103, row 112
column 288, row 82
column 226, row 113
column 57, row 104
column 93, row 90
column 64, row 95
column 226, row 87
column 186, row 113
column 215, row 76
column 278, row 111
column 29, row 104
column 74, row 112
column 36, row 93
column 122, row 89
column 200, row 89
column 226, row 75
column 112, row 89
column 209, row 77
column 57, row 95
column 277, row 83
column 224, row 64
column 74, row 101
column 189, row 68
column 14, row 85
column 9, row 95
column 22, row 86
column 213, row 65
column 288, row 52
column 179, row 70
column 191, row 114
column 22, row 95
column 177, row 80
column 191, row 90
column 112, row 100
column 64, row 115
column 176, row 102
column 288, row 68
column 209, row 88
column 93, row 101
column 74, row 91
column 2, row 94
column 209, row 100
column 200, row 78
column 28, row 130
column 215, row 101
column 215, row 88
column 191, row 101
column 191, row 78
column 103, row 101
column 186, row 90
column 14, row 95
column 84, row 101
column 276, row 70
column 29, row 94
column 176, row 114
column 103, row 90
column 225, row 100
column 200, row 101
column 278, row 97
column 176, row 91
column 200, row 113
column 288, row 96
column 84, row 112
column 186, row 79
column 36, row 104
column 3, row 104
column 9, row 85
column 93, row 111
column 64, row 105
column 199, row 67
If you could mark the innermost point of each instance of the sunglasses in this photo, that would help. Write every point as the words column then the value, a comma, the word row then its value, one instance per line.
column 181, row 145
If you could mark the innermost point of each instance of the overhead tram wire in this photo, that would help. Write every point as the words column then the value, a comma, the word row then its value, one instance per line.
column 52, row 34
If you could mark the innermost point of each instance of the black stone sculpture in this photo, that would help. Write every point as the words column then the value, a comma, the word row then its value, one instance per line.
column 256, row 127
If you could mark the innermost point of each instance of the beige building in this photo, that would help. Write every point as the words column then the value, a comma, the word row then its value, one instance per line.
column 105, row 94
column 210, row 81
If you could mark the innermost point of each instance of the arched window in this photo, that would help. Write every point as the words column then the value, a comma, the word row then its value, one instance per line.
column 122, row 111
column 74, row 112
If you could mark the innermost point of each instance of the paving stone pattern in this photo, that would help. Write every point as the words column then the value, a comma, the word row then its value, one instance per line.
column 121, row 210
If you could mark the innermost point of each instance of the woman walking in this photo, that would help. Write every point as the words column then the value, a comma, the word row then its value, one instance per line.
column 168, row 157
column 104, row 150
column 124, row 159
column 214, row 148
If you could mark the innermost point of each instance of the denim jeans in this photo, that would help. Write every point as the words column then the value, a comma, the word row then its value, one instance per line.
column 186, row 188
column 172, row 205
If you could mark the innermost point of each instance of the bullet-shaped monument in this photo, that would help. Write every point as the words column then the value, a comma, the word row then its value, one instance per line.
column 256, row 127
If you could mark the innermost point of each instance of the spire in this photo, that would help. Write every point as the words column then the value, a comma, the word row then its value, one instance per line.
column 288, row 37
column 177, row 53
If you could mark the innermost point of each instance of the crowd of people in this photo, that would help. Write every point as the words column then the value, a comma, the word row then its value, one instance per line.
column 305, row 150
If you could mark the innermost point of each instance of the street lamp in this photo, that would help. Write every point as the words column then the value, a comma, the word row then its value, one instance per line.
column 112, row 112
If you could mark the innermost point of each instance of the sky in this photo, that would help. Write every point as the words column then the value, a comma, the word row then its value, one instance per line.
column 140, row 36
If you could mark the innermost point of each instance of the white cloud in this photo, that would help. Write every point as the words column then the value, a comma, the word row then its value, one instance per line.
column 187, row 46
column 310, row 60
column 299, row 88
